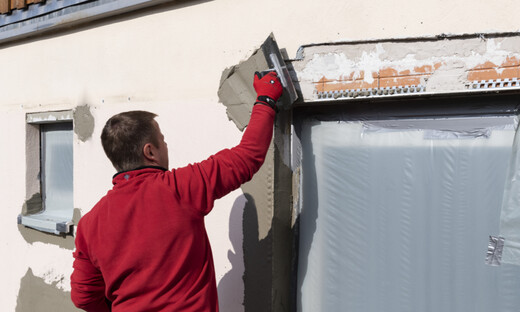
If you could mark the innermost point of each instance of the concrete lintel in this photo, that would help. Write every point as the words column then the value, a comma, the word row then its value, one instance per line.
column 49, row 117
column 440, row 65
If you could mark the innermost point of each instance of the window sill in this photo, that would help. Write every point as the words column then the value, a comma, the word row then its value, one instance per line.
column 46, row 223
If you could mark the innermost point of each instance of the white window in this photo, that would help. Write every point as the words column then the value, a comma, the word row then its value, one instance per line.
column 49, row 207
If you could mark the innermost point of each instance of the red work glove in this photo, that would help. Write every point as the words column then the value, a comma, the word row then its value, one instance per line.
column 268, row 89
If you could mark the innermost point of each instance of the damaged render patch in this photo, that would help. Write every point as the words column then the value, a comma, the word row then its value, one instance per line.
column 449, row 77
column 83, row 122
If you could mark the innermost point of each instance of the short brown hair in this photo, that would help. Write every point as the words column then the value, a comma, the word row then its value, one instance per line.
column 124, row 137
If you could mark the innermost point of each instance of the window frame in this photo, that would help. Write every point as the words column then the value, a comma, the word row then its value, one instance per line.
column 446, row 105
column 35, row 215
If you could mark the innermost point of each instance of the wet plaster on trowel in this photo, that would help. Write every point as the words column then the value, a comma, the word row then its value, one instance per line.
column 83, row 122
column 449, row 59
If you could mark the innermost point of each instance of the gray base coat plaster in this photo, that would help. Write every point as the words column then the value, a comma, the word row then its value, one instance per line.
column 236, row 90
column 32, row 160
column 33, row 205
column 268, row 244
column 257, row 242
column 283, row 231
column 257, row 260
column 83, row 122
column 267, row 232
column 37, row 296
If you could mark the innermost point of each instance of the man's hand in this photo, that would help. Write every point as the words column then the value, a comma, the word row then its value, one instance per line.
column 268, row 89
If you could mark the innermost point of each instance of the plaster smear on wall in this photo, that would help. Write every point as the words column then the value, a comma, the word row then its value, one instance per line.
column 336, row 66
column 452, row 59
column 51, row 263
column 83, row 122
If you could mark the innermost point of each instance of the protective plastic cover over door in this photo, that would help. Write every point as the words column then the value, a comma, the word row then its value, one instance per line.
column 396, row 216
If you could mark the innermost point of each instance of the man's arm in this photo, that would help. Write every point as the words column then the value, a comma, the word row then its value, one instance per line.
column 202, row 183
column 88, row 286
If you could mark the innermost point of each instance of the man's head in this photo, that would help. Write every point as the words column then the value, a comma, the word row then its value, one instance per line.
column 133, row 139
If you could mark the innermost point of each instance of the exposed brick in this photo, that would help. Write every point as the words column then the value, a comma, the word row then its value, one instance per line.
column 388, row 72
column 401, row 81
column 351, row 85
column 511, row 61
column 493, row 74
column 391, row 72
column 319, row 87
column 350, row 77
column 485, row 65
column 425, row 69
column 323, row 80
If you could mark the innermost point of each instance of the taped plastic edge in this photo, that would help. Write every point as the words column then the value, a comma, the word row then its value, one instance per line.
column 495, row 249
column 510, row 212
column 446, row 128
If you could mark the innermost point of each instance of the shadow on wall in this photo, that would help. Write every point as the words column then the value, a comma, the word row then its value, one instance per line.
column 231, row 287
column 250, row 263
column 37, row 296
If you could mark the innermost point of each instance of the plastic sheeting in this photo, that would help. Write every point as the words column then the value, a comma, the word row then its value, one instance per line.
column 510, row 217
column 396, row 216
column 57, row 174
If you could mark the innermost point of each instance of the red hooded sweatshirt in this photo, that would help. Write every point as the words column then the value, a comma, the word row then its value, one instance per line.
column 144, row 245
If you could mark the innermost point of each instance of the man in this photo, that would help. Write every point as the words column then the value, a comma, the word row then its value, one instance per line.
column 144, row 247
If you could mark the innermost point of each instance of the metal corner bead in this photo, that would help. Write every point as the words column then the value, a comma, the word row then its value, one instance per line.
column 494, row 83
column 371, row 92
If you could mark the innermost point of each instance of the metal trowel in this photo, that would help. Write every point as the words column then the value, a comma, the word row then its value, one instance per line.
column 275, row 62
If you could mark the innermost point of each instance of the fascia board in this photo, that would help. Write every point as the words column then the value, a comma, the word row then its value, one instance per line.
column 71, row 15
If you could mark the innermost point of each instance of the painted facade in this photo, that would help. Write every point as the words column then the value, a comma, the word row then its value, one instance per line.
column 169, row 59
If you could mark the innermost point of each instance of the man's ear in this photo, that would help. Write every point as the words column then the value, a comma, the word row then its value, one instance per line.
column 149, row 153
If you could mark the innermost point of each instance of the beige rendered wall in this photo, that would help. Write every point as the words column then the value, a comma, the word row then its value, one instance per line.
column 169, row 60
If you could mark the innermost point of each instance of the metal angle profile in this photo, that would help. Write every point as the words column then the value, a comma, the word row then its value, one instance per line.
column 492, row 84
column 371, row 92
